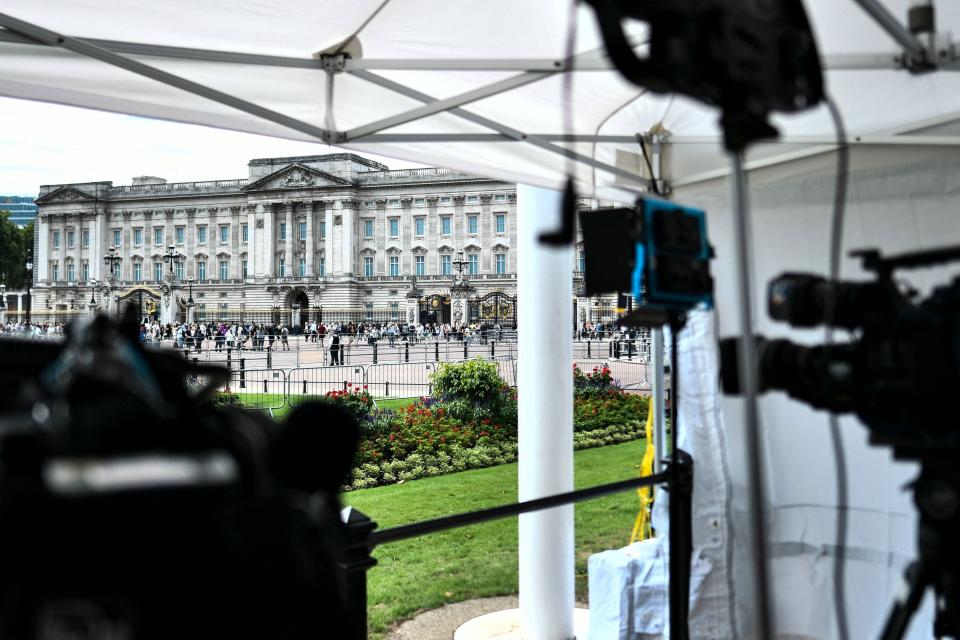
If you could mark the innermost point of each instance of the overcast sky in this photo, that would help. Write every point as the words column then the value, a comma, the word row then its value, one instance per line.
column 52, row 144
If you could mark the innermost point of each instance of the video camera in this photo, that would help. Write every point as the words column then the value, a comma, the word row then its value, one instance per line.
column 898, row 376
column 133, row 508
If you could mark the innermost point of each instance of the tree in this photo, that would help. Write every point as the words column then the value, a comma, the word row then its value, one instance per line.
column 14, row 243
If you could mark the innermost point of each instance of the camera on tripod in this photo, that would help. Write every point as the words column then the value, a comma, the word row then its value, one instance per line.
column 900, row 376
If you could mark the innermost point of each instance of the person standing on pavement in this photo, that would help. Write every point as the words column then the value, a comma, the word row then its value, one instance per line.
column 335, row 349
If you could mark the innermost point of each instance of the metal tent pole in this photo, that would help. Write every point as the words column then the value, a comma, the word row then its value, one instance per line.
column 746, row 364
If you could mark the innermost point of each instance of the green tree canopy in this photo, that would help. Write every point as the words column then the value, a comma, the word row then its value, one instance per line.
column 14, row 244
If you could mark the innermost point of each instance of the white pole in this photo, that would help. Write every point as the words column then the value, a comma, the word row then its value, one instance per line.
column 545, row 388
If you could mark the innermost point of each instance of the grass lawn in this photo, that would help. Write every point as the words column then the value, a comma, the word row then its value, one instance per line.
column 481, row 560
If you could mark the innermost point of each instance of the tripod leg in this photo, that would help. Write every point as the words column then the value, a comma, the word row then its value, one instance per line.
column 903, row 610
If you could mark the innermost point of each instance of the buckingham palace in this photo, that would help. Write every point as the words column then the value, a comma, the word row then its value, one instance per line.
column 334, row 237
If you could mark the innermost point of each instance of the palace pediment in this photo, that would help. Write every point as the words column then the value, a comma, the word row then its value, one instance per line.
column 296, row 176
column 65, row 194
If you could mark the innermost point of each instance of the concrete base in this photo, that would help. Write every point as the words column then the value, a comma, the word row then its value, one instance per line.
column 505, row 625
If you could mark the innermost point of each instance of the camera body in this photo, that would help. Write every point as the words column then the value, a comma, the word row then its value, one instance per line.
column 898, row 374
column 132, row 509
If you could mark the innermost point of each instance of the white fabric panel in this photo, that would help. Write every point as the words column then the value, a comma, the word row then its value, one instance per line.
column 901, row 199
column 872, row 101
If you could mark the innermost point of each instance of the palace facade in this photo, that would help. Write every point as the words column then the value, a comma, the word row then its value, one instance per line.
column 337, row 237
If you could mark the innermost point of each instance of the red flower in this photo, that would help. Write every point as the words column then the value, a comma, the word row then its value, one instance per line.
column 365, row 387
column 391, row 437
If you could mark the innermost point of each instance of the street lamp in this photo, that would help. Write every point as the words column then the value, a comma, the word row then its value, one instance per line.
column 93, row 290
column 112, row 259
column 29, row 267
column 190, row 293
column 170, row 257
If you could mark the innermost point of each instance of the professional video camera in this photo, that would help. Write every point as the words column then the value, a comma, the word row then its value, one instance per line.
column 133, row 508
column 899, row 376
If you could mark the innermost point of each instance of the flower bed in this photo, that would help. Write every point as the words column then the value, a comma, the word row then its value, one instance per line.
column 471, row 422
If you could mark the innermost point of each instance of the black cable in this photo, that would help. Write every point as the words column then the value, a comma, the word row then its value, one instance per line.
column 654, row 180
column 839, row 454
column 567, row 88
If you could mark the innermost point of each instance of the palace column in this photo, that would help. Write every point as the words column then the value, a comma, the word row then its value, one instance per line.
column 309, row 250
column 289, row 270
column 347, row 235
column 333, row 257
column 263, row 248
column 252, row 235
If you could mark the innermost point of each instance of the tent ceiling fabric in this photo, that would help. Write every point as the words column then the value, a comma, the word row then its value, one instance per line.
column 502, row 33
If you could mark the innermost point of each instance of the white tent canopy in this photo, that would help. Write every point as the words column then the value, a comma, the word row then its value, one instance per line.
column 478, row 86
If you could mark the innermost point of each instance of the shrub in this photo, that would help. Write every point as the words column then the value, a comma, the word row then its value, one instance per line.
column 474, row 381
column 355, row 399
column 227, row 398
column 597, row 382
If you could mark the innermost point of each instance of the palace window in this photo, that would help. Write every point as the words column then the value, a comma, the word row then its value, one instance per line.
column 500, row 197
column 201, row 269
column 368, row 228
column 471, row 224
column 224, row 310
column 158, row 236
column 282, row 267
column 178, row 269
column 243, row 269
column 54, row 271
column 501, row 259
column 472, row 199
column 368, row 310
column 85, row 238
column 394, row 310
column 419, row 202
column 303, row 231
column 202, row 311
column 369, row 204
column 501, row 223
column 445, row 264
column 445, row 199
column 137, row 272
column 224, row 270
column 445, row 225
column 323, row 229
column 368, row 266
column 420, row 226
column 472, row 264
column 180, row 233
column 581, row 262
column 137, row 237
column 117, row 238
column 393, row 202
column 244, row 233
column 420, row 264
column 70, row 239
column 283, row 230
column 202, row 234
column 224, row 233
column 394, row 227
column 85, row 271
column 394, row 265
column 157, row 271
column 322, row 267
column 302, row 267
column 71, row 272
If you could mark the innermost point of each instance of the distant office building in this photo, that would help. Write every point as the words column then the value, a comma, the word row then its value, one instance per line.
column 22, row 209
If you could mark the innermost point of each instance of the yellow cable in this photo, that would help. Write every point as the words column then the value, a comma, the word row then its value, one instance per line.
column 641, row 526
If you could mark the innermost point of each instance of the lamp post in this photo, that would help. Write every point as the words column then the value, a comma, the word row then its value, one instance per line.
column 93, row 300
column 29, row 267
column 170, row 257
column 113, row 259
column 190, row 302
